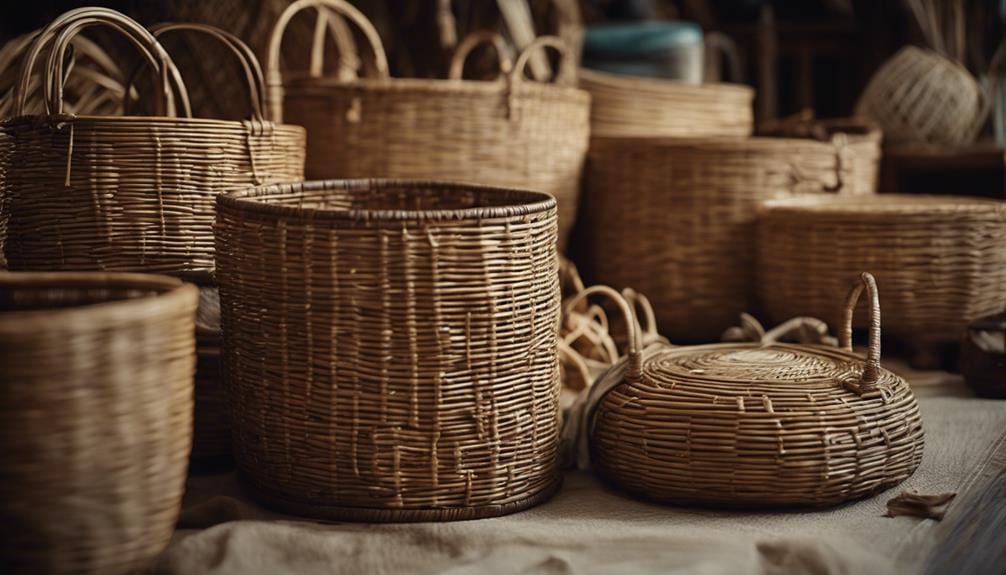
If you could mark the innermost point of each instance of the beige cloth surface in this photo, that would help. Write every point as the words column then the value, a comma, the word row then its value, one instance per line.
column 589, row 528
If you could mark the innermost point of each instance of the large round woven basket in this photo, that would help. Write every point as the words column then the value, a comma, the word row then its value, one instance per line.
column 390, row 347
column 940, row 260
column 635, row 106
column 511, row 133
column 131, row 192
column 96, row 425
column 755, row 424
column 674, row 218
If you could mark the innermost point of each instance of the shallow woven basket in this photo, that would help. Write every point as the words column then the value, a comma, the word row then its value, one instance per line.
column 674, row 218
column 96, row 425
column 921, row 96
column 390, row 347
column 635, row 106
column 511, row 133
column 941, row 260
column 131, row 193
column 756, row 424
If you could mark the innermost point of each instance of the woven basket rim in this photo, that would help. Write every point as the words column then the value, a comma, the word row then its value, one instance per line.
column 142, row 121
column 626, row 82
column 525, row 201
column 743, row 144
column 882, row 206
column 172, row 292
column 307, row 84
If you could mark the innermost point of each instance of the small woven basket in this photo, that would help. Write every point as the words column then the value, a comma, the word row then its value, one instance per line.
column 96, row 426
column 755, row 425
column 509, row 133
column 921, row 96
column 390, row 347
column 130, row 192
column 940, row 260
column 674, row 218
column 650, row 107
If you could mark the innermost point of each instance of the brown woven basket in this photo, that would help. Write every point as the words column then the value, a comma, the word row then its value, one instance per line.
column 510, row 133
column 674, row 218
column 941, row 260
column 755, row 424
column 390, row 347
column 634, row 106
column 130, row 193
column 96, row 396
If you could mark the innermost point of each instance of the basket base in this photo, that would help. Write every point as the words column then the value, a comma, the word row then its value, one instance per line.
column 281, row 503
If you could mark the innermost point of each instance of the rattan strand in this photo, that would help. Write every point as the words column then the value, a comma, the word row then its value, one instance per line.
column 674, row 218
column 634, row 106
column 130, row 193
column 510, row 133
column 95, row 419
column 758, row 424
column 940, row 260
column 390, row 347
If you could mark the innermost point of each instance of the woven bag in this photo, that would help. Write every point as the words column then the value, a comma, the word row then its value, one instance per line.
column 941, row 260
column 130, row 192
column 674, row 218
column 753, row 425
column 390, row 347
column 96, row 404
column 510, row 133
column 636, row 106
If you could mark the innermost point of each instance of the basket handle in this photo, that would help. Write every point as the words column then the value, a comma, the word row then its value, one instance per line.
column 61, row 32
column 871, row 367
column 274, row 77
column 566, row 75
column 634, row 351
column 642, row 307
column 474, row 39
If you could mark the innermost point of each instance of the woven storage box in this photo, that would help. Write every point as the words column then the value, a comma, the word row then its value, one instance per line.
column 390, row 347
column 761, row 424
column 940, row 260
column 674, row 218
column 136, row 192
column 634, row 106
column 96, row 426
column 511, row 133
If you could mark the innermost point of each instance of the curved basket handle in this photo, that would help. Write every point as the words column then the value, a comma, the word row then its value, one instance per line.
column 61, row 32
column 634, row 351
column 871, row 367
column 478, row 38
column 274, row 77
column 566, row 75
column 642, row 307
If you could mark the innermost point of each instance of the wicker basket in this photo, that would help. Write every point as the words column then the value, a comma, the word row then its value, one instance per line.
column 750, row 425
column 920, row 96
column 96, row 396
column 130, row 193
column 510, row 133
column 390, row 347
column 650, row 107
column 941, row 260
column 674, row 218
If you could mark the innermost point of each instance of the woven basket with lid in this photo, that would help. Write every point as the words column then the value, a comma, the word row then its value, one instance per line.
column 510, row 133
column 756, row 424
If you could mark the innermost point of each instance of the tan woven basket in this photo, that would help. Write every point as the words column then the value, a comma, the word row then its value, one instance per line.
column 510, row 133
column 920, row 96
column 96, row 396
column 131, row 193
column 634, row 106
column 674, row 218
column 390, row 347
column 941, row 260
column 761, row 424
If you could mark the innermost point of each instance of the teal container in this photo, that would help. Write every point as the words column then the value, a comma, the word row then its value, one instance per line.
column 658, row 49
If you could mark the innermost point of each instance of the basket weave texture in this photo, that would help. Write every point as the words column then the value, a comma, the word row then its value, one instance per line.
column 117, row 193
column 634, row 106
column 390, row 347
column 96, row 397
column 675, row 218
column 510, row 133
column 940, row 260
column 758, row 424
